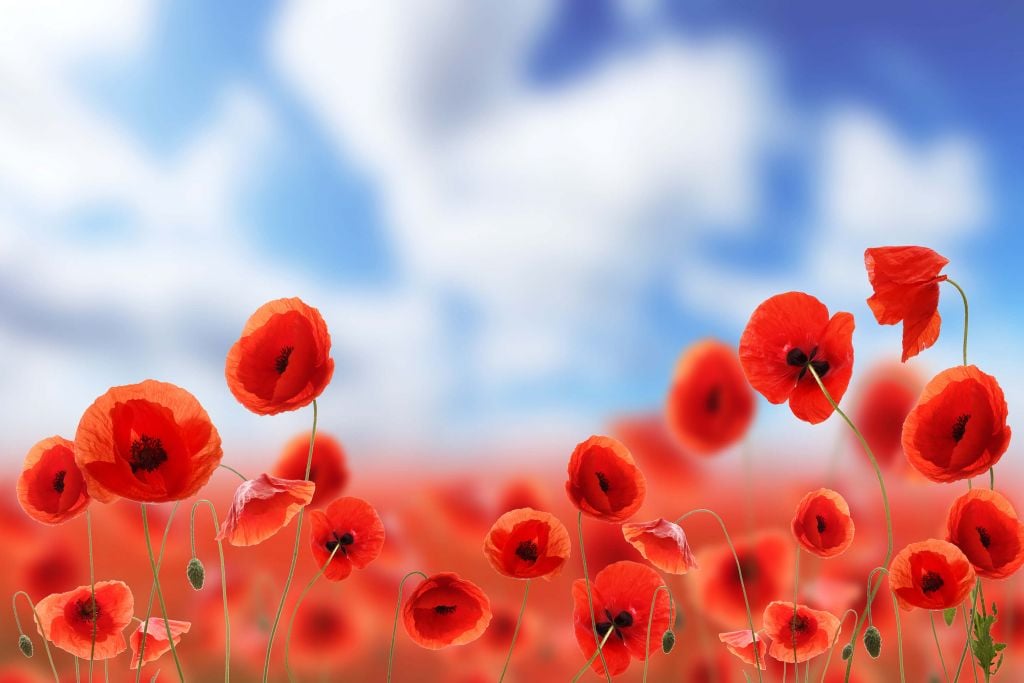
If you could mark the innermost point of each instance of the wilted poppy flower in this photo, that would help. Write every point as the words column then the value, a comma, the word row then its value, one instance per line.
column 930, row 574
column 351, row 529
column 446, row 610
column 282, row 360
column 262, row 507
column 663, row 544
column 151, row 442
column 327, row 470
column 526, row 544
column 742, row 644
column 822, row 524
column 984, row 525
column 51, row 489
column 710, row 405
column 958, row 428
column 811, row 631
column 766, row 560
column 622, row 594
column 604, row 481
column 157, row 641
column 888, row 395
column 789, row 333
column 66, row 619
column 906, row 283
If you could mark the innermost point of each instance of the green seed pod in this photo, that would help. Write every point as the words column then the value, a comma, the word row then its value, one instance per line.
column 847, row 651
column 873, row 642
column 668, row 641
column 25, row 645
column 196, row 573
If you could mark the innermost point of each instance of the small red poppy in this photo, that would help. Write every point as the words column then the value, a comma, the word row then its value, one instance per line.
column 262, row 507
column 931, row 574
column 51, row 488
column 822, row 524
column 604, row 481
column 789, row 333
column 743, row 645
column 663, row 544
column 527, row 544
column 282, row 360
column 67, row 619
column 906, row 284
column 984, row 525
column 446, row 610
column 351, row 529
column 151, row 442
column 958, row 428
column 157, row 641
column 888, row 395
column 327, row 470
column 800, row 634
column 766, row 560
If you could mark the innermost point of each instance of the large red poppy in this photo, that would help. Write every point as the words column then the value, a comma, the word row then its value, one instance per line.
column 604, row 481
column 527, row 544
column 327, row 470
column 743, row 645
column 282, row 360
column 158, row 642
column 663, row 544
column 789, row 333
column 67, row 619
column 888, row 394
column 822, row 524
column 262, row 507
column 766, row 561
column 51, row 488
column 931, row 574
column 350, row 529
column 984, row 525
column 798, row 634
column 151, row 442
column 906, row 284
column 446, row 610
column 958, row 428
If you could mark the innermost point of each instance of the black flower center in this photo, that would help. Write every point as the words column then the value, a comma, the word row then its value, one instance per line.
column 58, row 481
column 527, row 551
column 281, row 362
column 714, row 399
column 983, row 536
column 750, row 568
column 821, row 523
column 798, row 359
column 623, row 619
column 602, row 481
column 87, row 611
column 345, row 540
column 931, row 582
column 445, row 610
column 620, row 621
column 960, row 427
column 797, row 624
column 147, row 454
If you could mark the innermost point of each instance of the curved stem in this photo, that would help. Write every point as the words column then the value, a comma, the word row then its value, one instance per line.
column 590, row 594
column 590, row 661
column 963, row 296
column 650, row 622
column 39, row 626
column 938, row 648
column 232, row 469
column 835, row 640
column 223, row 577
column 896, row 612
column 967, row 634
column 152, row 591
column 515, row 633
column 394, row 628
column 159, row 594
column 295, row 611
column 92, row 591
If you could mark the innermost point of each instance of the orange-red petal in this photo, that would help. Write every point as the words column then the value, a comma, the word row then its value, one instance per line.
column 799, row 634
column 822, row 524
column 446, row 610
column 742, row 644
column 931, row 574
column 65, row 619
column 906, row 281
column 604, row 481
column 663, row 544
column 51, row 488
column 984, row 525
column 157, row 641
column 527, row 544
column 262, row 507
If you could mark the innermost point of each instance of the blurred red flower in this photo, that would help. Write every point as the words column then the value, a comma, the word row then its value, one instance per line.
column 157, row 641
column 51, row 488
column 766, row 561
column 67, row 619
column 889, row 393
column 527, row 544
column 262, row 507
column 327, row 470
column 326, row 634
column 446, row 610
column 930, row 574
column 822, row 524
column 800, row 634
column 663, row 544
column 351, row 526
column 604, row 481
column 984, row 525
column 741, row 644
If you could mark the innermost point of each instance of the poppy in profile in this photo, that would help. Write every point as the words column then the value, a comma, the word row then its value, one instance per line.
column 262, row 507
column 984, row 525
column 807, row 631
column 663, row 544
column 282, row 360
column 604, row 481
column 327, row 470
column 622, row 594
column 906, row 281
column 766, row 561
column 743, row 645
column 710, row 405
column 158, row 642
column 788, row 334
column 351, row 529
column 888, row 394
column 150, row 442
column 446, row 610
column 958, row 428
column 527, row 544
column 822, row 524
column 51, row 488
column 931, row 574
column 66, row 619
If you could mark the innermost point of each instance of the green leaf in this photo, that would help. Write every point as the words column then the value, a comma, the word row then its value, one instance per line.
column 986, row 651
column 948, row 615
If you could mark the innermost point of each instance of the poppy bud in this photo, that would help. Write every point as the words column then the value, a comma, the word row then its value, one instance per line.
column 847, row 651
column 196, row 573
column 25, row 645
column 873, row 642
column 668, row 641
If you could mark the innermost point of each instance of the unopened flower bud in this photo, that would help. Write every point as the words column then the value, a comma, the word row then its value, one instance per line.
column 668, row 641
column 25, row 645
column 847, row 651
column 873, row 642
column 196, row 573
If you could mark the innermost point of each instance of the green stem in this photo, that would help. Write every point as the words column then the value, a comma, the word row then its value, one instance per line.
column 590, row 595
column 159, row 595
column 515, row 633
column 796, row 593
column 152, row 591
column 963, row 296
column 835, row 640
column 650, row 623
column 92, row 591
column 394, row 628
column 590, row 661
column 896, row 612
column 295, row 611
column 39, row 626
column 232, row 469
column 223, row 577
column 938, row 648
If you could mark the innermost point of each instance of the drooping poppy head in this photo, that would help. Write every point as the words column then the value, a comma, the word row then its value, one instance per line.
column 282, row 360
column 743, row 645
column 822, row 524
column 800, row 634
column 887, row 396
column 351, row 529
column 150, row 442
column 766, row 561
column 663, row 544
column 327, row 470
column 930, row 574
column 984, row 525
column 604, row 481
column 527, row 544
column 446, row 610
column 958, row 428
column 51, row 488
column 788, row 334
column 710, row 405
column 906, row 284
column 67, row 619
column 158, row 642
column 262, row 507
column 622, row 594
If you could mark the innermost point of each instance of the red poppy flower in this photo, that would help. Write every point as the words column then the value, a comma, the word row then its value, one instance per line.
column 742, row 644
column 958, row 427
column 930, row 574
column 710, row 405
column 604, row 481
column 328, row 469
column 787, row 334
column 326, row 635
column 446, row 610
column 984, row 525
column 890, row 392
column 526, row 544
column 262, row 507
column 622, row 594
column 66, row 619
column 766, row 560
column 906, row 283
column 282, row 360
column 51, row 488
column 811, row 631
column 157, row 641
column 351, row 526
column 663, row 544
column 822, row 524
column 151, row 442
